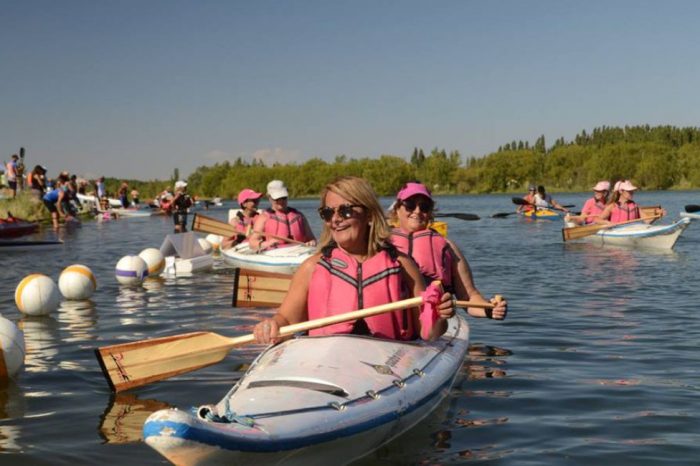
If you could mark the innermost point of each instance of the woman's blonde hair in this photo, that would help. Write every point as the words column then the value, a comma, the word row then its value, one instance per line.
column 359, row 192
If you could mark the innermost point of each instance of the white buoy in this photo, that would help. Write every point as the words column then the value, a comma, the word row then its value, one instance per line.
column 37, row 295
column 154, row 261
column 131, row 270
column 215, row 241
column 77, row 282
column 205, row 245
column 11, row 348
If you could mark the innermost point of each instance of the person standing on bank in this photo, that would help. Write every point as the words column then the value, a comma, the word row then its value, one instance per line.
column 11, row 174
column 280, row 221
column 180, row 204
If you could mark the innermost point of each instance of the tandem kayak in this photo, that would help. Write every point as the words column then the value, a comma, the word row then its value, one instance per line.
column 285, row 259
column 640, row 234
column 316, row 400
column 541, row 214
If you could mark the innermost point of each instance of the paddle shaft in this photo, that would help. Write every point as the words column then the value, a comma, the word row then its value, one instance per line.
column 570, row 233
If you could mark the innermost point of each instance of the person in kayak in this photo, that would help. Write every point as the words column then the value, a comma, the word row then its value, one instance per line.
column 623, row 208
column 280, row 220
column 593, row 207
column 437, row 257
column 244, row 218
column 530, row 199
column 357, row 267
column 544, row 200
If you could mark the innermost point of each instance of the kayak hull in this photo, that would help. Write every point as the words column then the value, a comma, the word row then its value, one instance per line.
column 26, row 246
column 315, row 400
column 280, row 260
column 541, row 214
column 640, row 235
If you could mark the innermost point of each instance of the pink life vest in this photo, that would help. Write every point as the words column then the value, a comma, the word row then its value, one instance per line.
column 622, row 214
column 245, row 224
column 289, row 225
column 592, row 209
column 340, row 284
column 430, row 251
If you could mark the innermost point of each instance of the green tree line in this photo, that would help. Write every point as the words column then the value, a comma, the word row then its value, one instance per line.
column 660, row 157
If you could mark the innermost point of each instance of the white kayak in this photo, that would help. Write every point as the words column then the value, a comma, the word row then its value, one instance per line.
column 316, row 400
column 691, row 215
column 92, row 199
column 640, row 234
column 132, row 213
column 285, row 259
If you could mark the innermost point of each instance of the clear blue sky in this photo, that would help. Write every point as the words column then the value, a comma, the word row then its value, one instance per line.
column 134, row 89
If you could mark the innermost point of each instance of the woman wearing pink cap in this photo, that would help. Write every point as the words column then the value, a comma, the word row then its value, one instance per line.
column 594, row 207
column 357, row 267
column 622, row 207
column 437, row 258
column 244, row 219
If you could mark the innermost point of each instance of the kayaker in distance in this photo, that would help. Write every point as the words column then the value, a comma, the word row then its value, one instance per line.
column 594, row 206
column 179, row 205
column 544, row 200
column 280, row 220
column 437, row 258
column 529, row 198
column 357, row 267
column 244, row 218
column 123, row 194
column 622, row 206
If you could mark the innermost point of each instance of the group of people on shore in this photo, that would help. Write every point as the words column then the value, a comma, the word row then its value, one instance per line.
column 361, row 260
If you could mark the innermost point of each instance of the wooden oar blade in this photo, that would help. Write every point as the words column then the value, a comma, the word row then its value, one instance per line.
column 252, row 288
column 134, row 364
column 205, row 224
column 692, row 208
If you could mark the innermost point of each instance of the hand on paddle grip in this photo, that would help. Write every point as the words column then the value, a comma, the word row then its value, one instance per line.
column 437, row 305
column 500, row 310
column 266, row 331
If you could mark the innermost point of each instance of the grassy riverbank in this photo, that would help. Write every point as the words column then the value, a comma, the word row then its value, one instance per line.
column 25, row 206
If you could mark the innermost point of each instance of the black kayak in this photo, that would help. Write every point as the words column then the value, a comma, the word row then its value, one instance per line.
column 24, row 246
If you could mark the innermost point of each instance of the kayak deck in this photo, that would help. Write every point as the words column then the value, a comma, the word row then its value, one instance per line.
column 341, row 390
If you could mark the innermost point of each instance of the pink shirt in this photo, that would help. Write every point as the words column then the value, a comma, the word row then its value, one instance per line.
column 592, row 210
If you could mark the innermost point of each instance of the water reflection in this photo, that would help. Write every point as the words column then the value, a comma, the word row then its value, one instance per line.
column 78, row 318
column 41, row 339
column 12, row 402
column 122, row 421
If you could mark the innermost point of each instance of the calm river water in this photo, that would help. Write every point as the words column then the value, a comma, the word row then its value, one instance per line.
column 598, row 361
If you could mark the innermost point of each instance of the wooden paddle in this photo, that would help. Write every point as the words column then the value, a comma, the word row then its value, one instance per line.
column 131, row 365
column 571, row 233
column 252, row 288
column 206, row 224
column 458, row 215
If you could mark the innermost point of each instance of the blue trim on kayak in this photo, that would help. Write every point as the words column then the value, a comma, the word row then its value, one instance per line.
column 618, row 232
column 266, row 444
column 234, row 260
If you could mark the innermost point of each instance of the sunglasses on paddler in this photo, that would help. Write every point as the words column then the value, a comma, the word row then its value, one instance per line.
column 425, row 205
column 344, row 211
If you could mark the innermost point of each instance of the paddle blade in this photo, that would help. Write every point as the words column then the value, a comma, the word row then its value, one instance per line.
column 252, row 288
column 502, row 214
column 458, row 215
column 692, row 208
column 205, row 224
column 131, row 365
column 520, row 201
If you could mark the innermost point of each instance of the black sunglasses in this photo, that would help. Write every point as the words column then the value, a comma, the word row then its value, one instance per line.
column 344, row 211
column 425, row 205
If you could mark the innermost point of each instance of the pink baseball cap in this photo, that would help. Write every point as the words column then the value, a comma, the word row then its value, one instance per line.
column 625, row 185
column 248, row 194
column 411, row 189
column 602, row 186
